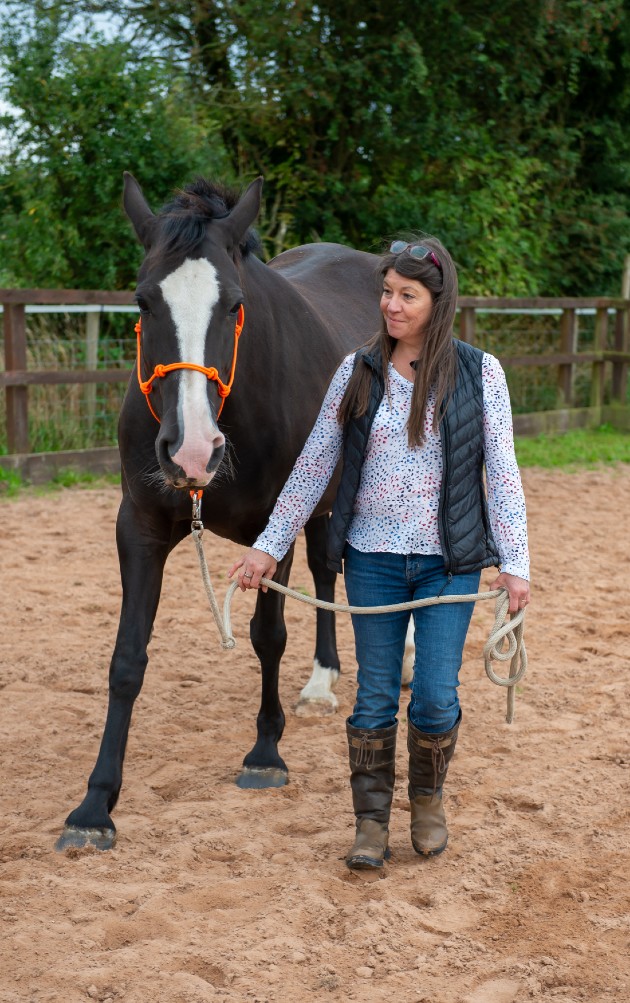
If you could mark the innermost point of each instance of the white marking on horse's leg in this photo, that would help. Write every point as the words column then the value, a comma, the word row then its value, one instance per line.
column 317, row 698
column 409, row 655
column 191, row 292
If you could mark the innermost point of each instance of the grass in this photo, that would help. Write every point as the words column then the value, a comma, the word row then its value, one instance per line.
column 575, row 450
column 11, row 483
column 76, row 478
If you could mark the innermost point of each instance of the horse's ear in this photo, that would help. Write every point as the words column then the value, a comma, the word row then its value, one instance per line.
column 137, row 209
column 244, row 213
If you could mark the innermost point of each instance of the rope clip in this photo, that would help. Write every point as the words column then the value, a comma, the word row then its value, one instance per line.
column 196, row 525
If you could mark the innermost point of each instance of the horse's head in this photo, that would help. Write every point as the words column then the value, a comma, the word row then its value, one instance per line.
column 190, row 298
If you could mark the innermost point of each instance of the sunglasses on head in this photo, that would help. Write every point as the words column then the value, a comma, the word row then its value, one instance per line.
column 418, row 251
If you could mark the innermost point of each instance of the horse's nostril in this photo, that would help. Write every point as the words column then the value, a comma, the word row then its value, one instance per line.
column 217, row 455
column 163, row 452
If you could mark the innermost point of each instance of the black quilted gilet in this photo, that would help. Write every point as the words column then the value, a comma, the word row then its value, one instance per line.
column 465, row 535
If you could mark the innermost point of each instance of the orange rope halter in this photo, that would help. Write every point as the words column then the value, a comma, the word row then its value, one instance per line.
column 211, row 373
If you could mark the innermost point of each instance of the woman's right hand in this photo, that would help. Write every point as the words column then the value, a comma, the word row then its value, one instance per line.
column 252, row 566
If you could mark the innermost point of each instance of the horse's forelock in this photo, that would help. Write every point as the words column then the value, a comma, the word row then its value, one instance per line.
column 182, row 222
column 203, row 198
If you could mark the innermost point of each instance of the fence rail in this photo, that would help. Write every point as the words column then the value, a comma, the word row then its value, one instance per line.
column 611, row 348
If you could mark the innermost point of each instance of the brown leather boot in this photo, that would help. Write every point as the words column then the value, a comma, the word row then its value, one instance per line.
column 372, row 754
column 429, row 756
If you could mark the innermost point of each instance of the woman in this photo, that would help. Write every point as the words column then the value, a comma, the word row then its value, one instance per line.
column 416, row 415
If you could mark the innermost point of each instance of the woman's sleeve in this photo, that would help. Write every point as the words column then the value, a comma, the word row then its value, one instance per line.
column 312, row 471
column 506, row 501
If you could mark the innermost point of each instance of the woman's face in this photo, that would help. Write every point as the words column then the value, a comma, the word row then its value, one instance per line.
column 406, row 306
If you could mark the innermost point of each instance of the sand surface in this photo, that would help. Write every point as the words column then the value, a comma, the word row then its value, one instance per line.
column 213, row 893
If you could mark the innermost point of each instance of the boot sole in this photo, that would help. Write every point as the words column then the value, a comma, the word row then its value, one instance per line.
column 360, row 863
column 430, row 853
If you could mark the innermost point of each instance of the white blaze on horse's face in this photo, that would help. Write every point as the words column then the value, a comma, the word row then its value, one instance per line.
column 191, row 292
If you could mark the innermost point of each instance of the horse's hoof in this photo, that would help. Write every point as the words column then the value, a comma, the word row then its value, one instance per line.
column 322, row 706
column 252, row 779
column 73, row 838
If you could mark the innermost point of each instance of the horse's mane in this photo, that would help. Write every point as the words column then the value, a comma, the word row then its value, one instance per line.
column 183, row 220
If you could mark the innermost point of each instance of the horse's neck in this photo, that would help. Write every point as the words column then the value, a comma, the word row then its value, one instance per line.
column 269, row 286
column 279, row 316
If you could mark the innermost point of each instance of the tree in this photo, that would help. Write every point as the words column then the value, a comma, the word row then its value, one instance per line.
column 83, row 111
column 502, row 129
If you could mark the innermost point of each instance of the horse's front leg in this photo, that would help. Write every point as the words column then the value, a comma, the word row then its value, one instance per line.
column 263, row 766
column 318, row 697
column 142, row 551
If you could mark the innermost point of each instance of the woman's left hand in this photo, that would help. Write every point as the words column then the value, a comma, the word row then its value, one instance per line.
column 259, row 565
column 518, row 589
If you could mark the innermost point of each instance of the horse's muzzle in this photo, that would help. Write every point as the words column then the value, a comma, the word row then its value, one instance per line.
column 191, row 463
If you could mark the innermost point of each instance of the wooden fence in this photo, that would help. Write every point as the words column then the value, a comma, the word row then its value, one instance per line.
column 610, row 348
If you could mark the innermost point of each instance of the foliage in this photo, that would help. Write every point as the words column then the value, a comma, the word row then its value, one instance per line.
column 503, row 129
column 85, row 111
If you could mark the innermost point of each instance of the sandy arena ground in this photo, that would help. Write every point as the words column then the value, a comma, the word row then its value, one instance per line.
column 213, row 893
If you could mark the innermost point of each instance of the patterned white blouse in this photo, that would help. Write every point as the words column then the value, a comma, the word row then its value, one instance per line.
column 396, row 508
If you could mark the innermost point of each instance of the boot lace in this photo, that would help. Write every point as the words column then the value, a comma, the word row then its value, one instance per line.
column 366, row 754
column 439, row 763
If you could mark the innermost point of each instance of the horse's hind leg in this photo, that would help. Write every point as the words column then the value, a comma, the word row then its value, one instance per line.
column 142, row 553
column 317, row 697
column 263, row 766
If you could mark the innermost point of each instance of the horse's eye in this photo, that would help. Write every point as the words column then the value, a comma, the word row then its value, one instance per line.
column 143, row 306
column 235, row 309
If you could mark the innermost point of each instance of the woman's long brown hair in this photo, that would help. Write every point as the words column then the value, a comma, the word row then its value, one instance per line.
column 437, row 363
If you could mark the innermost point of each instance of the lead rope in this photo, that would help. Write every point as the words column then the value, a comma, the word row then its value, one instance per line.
column 505, row 630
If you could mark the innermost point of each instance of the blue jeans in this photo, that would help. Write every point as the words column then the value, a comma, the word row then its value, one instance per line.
column 379, row 579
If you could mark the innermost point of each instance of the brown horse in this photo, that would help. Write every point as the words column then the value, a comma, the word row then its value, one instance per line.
column 303, row 312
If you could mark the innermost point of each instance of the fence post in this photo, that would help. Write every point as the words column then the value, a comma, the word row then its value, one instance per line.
column 91, row 361
column 622, row 339
column 568, row 346
column 622, row 344
column 467, row 321
column 625, row 278
column 597, row 369
column 15, row 358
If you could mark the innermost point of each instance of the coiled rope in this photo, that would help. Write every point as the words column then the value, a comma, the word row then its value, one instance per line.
column 505, row 642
